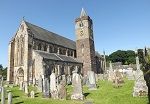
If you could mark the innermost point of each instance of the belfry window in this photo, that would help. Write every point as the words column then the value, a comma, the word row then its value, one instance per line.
column 82, row 48
column 81, row 24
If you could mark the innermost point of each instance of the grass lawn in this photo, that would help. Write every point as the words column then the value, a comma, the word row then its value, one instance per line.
column 105, row 94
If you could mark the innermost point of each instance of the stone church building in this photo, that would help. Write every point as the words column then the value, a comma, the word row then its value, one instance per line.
column 35, row 52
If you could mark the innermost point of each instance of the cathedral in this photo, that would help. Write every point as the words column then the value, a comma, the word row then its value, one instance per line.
column 34, row 52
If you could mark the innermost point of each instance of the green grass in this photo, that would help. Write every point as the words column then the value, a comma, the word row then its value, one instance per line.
column 105, row 94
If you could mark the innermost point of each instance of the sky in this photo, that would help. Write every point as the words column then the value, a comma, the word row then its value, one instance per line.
column 118, row 24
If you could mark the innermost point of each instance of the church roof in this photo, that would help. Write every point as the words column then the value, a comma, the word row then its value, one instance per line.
column 56, row 57
column 45, row 35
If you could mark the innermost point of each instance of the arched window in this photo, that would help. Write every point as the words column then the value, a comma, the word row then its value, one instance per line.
column 45, row 47
column 39, row 46
column 51, row 49
column 55, row 49
column 22, row 49
column 82, row 48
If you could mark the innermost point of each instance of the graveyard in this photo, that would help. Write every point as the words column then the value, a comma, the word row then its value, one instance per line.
column 61, row 53
column 105, row 94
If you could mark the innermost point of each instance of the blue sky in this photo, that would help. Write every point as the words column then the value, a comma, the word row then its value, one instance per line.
column 118, row 24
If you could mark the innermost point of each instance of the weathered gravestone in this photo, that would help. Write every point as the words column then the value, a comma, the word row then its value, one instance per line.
column 32, row 94
column 77, row 88
column 9, row 98
column 62, row 90
column 85, row 80
column 21, row 85
column 3, row 96
column 69, row 81
column 40, row 84
column 26, row 90
column 64, row 79
column 118, row 81
column 53, row 87
column 46, row 92
column 111, row 74
column 140, row 87
column 91, row 80
column 130, row 74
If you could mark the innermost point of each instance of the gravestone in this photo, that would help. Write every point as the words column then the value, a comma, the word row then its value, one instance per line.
column 130, row 74
column 26, row 88
column 3, row 96
column 140, row 87
column 9, row 98
column 118, row 81
column 111, row 74
column 32, row 94
column 74, row 73
column 53, row 87
column 40, row 84
column 46, row 93
column 69, row 81
column 91, row 80
column 77, row 88
column 62, row 90
column 85, row 80
column 64, row 78
column 21, row 85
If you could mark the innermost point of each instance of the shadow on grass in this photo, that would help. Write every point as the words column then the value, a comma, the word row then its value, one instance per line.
column 21, row 102
column 36, row 94
column 86, row 94
column 15, row 96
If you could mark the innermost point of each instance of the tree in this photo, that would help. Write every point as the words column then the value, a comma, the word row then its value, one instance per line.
column 126, row 57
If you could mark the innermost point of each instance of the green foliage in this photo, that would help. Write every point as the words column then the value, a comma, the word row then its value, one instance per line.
column 3, row 71
column 140, row 55
column 126, row 57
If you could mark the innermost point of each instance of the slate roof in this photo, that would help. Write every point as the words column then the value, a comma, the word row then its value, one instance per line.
column 50, row 37
column 56, row 57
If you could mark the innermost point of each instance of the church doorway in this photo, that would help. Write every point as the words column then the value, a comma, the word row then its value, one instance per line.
column 20, row 75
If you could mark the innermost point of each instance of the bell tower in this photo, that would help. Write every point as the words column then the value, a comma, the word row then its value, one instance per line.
column 85, row 42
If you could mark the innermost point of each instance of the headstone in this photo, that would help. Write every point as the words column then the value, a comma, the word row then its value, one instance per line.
column 111, row 74
column 140, row 87
column 26, row 88
column 9, row 98
column 32, row 94
column 46, row 91
column 64, row 78
column 62, row 90
column 69, row 79
column 40, row 84
column 118, row 81
column 77, row 88
column 85, row 80
column 53, row 87
column 21, row 85
column 130, row 74
column 92, row 80
column 74, row 73
column 3, row 96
